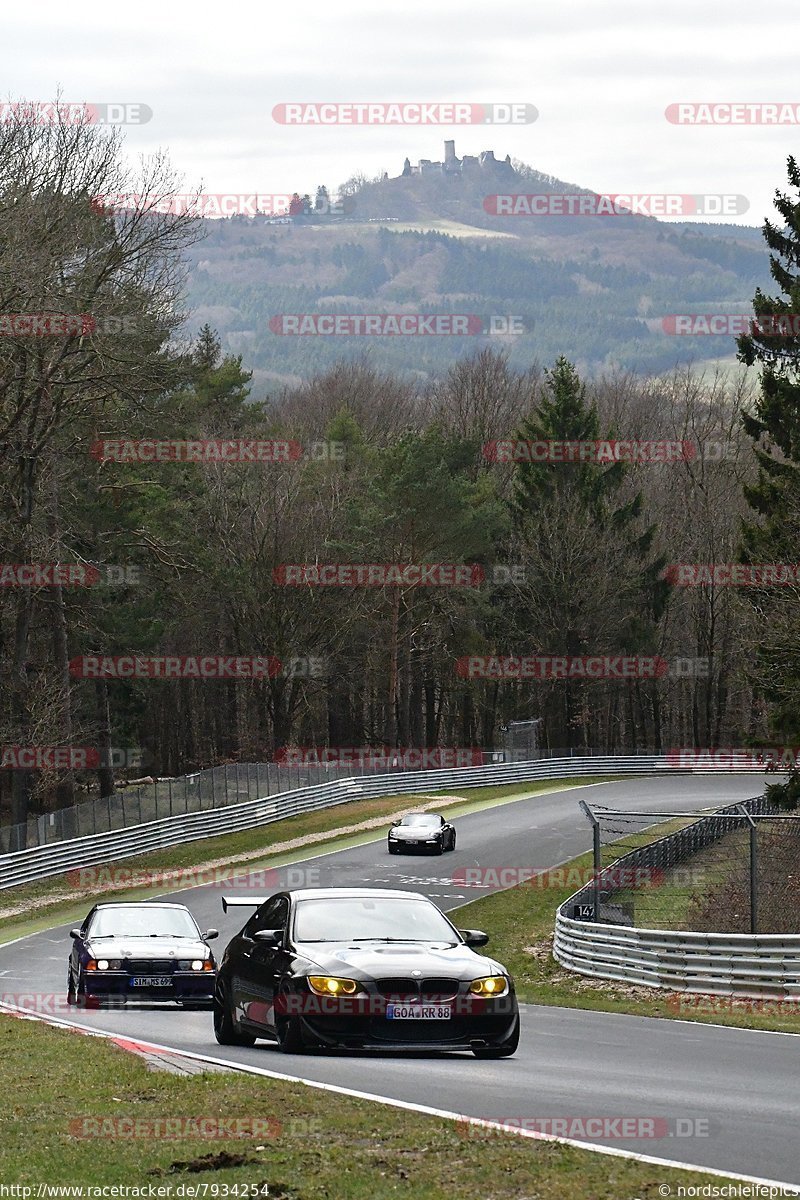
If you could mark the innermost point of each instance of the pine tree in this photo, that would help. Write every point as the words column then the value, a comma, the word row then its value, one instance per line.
column 774, row 426
column 776, row 416
column 593, row 584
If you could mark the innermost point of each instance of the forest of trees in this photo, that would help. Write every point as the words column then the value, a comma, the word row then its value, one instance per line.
column 385, row 472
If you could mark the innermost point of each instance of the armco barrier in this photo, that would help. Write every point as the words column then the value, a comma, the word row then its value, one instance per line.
column 720, row 964
column 40, row 862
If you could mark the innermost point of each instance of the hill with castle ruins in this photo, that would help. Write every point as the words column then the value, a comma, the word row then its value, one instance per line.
column 436, row 239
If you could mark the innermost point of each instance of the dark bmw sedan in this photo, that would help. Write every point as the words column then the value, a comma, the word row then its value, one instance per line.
column 361, row 967
column 141, row 951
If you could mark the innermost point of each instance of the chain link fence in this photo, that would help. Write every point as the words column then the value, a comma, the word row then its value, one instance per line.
column 734, row 870
column 216, row 787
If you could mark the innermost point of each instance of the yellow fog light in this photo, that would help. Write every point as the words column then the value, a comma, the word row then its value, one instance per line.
column 329, row 985
column 490, row 985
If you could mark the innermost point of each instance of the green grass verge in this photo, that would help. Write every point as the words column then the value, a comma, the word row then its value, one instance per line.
column 324, row 1147
column 53, row 901
column 520, row 924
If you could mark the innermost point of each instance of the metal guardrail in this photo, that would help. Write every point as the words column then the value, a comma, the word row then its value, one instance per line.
column 726, row 964
column 41, row 862
column 213, row 788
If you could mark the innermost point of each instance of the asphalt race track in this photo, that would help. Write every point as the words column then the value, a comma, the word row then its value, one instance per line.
column 740, row 1085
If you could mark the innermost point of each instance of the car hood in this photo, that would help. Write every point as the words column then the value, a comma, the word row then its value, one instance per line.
column 146, row 947
column 382, row 961
column 419, row 834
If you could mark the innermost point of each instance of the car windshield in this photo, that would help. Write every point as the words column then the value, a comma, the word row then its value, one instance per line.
column 361, row 919
column 421, row 819
column 143, row 921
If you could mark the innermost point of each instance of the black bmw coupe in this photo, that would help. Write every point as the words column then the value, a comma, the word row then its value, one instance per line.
column 361, row 968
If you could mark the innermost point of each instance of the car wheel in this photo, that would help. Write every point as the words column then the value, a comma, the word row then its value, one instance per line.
column 226, row 1029
column 70, row 987
column 439, row 847
column 504, row 1050
column 82, row 1000
column 453, row 841
column 290, row 1035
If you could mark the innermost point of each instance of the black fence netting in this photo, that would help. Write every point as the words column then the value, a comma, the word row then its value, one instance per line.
column 733, row 870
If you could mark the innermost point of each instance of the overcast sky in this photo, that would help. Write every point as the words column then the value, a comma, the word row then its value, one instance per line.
column 600, row 73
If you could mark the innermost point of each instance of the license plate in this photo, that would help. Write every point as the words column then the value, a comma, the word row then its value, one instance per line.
column 151, row 981
column 418, row 1012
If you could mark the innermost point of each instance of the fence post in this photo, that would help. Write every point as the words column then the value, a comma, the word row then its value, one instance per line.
column 596, row 858
column 753, row 871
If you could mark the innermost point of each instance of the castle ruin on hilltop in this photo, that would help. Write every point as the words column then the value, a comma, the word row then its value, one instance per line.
column 457, row 166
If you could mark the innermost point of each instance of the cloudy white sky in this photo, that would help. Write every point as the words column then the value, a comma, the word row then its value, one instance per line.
column 600, row 73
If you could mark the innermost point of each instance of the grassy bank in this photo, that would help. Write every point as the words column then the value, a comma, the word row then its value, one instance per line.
column 73, row 1103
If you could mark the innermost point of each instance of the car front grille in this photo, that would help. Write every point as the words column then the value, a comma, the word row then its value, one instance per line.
column 150, row 966
column 428, row 991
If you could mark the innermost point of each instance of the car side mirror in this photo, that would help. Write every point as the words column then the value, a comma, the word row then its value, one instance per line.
column 269, row 937
column 74, row 933
column 395, row 823
column 210, row 934
column 474, row 937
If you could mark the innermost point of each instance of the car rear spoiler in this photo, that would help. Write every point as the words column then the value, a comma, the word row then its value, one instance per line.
column 242, row 902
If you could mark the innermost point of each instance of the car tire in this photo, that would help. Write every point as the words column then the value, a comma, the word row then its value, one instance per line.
column 71, row 998
column 82, row 1000
column 290, row 1035
column 226, row 1030
column 453, row 841
column 504, row 1050
column 439, row 847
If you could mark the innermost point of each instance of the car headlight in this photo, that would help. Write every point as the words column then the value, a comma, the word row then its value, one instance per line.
column 330, row 985
column 489, row 985
column 102, row 964
column 195, row 964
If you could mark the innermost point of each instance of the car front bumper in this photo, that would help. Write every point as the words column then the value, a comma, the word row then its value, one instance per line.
column 183, row 985
column 473, row 1022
